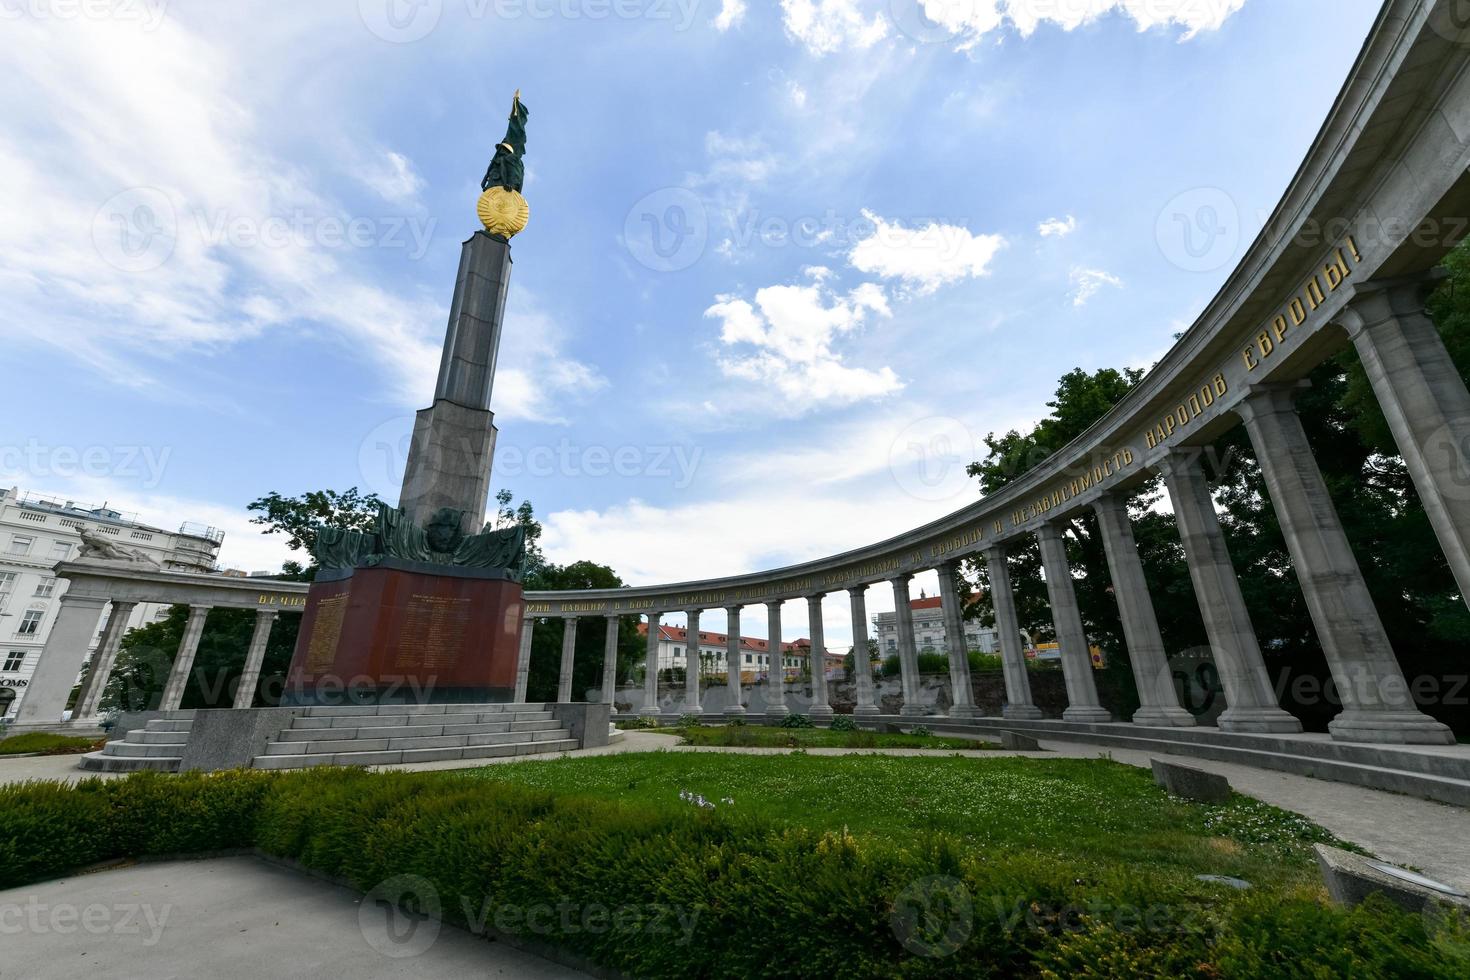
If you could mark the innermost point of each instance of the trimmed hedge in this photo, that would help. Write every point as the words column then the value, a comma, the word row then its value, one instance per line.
column 762, row 900
column 47, row 744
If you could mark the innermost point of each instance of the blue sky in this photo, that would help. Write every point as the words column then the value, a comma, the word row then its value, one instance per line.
column 787, row 263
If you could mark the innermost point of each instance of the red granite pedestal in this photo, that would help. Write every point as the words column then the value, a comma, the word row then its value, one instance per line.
column 404, row 633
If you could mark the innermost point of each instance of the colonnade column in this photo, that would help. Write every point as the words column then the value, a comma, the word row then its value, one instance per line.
column 1158, row 700
column 1376, row 704
column 908, row 654
column 776, row 699
column 1019, row 704
column 56, row 671
column 178, row 677
column 821, row 709
column 610, row 661
column 733, row 662
column 523, row 660
column 1250, row 700
column 265, row 620
column 650, row 669
column 94, row 685
column 862, row 660
column 1082, row 700
column 692, row 666
column 568, row 660
column 962, row 692
column 1427, row 406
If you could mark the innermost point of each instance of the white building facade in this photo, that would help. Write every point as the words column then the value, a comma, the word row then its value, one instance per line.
column 712, row 648
column 38, row 532
column 929, row 631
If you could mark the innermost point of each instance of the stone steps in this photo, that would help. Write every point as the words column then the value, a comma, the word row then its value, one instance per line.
column 400, row 756
column 159, row 745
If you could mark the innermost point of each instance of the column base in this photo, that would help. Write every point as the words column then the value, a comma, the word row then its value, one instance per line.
column 735, row 711
column 821, row 712
column 693, row 709
column 1390, row 727
column 866, row 711
column 1022, row 712
column 1088, row 714
column 964, row 711
column 1164, row 718
column 1258, row 721
column 913, row 711
column 777, row 711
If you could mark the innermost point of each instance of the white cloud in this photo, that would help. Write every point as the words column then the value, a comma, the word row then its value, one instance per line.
column 1193, row 16
column 393, row 177
column 793, row 330
column 825, row 26
column 1087, row 282
column 797, row 94
column 1057, row 227
column 924, row 258
column 732, row 14
column 534, row 374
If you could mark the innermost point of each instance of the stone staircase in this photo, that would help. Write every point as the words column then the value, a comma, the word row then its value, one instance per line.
column 375, row 735
column 158, row 745
column 393, row 734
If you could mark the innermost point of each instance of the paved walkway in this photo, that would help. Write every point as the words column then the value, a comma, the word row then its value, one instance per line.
column 234, row 918
column 1433, row 837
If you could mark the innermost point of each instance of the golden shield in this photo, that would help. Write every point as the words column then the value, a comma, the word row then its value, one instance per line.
column 503, row 212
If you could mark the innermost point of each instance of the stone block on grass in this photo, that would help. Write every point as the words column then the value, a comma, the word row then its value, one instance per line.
column 1350, row 878
column 1191, row 784
column 1016, row 742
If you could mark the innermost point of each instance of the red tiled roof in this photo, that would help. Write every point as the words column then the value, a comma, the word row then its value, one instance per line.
column 676, row 634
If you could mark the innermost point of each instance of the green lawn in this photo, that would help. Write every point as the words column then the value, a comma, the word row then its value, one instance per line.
column 759, row 736
column 46, row 744
column 1100, row 815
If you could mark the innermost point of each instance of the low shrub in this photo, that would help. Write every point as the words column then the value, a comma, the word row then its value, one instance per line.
column 844, row 723
column 640, row 723
column 794, row 720
column 689, row 721
column 921, row 731
column 47, row 744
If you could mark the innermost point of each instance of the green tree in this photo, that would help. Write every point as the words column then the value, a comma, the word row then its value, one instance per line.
column 546, row 641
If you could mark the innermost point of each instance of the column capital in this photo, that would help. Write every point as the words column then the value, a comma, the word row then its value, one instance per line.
column 995, row 552
column 612, row 615
column 901, row 580
column 199, row 608
column 1049, row 531
column 858, row 591
column 1377, row 300
column 94, row 601
column 775, row 604
column 1111, row 502
column 695, row 612
column 1270, row 398
column 734, row 611
column 1180, row 461
column 816, row 599
column 951, row 565
column 259, row 613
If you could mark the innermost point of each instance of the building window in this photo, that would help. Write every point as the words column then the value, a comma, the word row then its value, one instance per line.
column 61, row 550
column 14, row 660
column 747, row 658
column 30, row 624
column 20, row 545
column 46, row 588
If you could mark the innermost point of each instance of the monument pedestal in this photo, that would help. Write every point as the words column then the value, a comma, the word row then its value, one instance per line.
column 405, row 632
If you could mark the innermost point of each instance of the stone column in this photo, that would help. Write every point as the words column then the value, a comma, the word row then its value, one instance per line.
column 908, row 654
column 821, row 709
column 1082, row 700
column 178, row 677
column 523, row 659
column 94, row 685
column 776, row 703
column 1250, row 701
column 1376, row 704
column 650, row 668
column 610, row 661
column 962, row 692
column 568, row 660
column 733, row 664
column 693, row 666
column 862, row 664
column 1019, row 704
column 1427, row 406
column 265, row 619
column 1158, row 700
column 61, row 660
